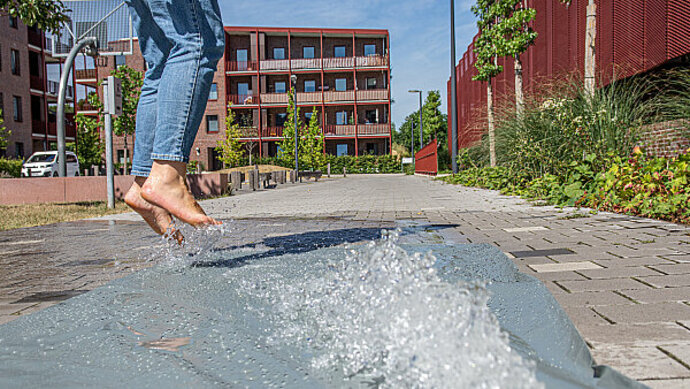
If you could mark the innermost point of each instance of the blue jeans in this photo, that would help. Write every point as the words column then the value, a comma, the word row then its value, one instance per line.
column 181, row 41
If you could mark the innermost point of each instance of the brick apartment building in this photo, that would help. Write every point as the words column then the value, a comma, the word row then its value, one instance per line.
column 29, row 77
column 344, row 74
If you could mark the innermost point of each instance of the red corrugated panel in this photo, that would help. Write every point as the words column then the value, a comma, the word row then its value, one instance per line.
column 678, row 17
column 539, row 67
column 579, row 9
column 654, row 32
column 604, row 52
column 559, row 43
column 628, row 37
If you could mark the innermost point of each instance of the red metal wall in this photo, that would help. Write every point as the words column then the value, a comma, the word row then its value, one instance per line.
column 426, row 159
column 633, row 36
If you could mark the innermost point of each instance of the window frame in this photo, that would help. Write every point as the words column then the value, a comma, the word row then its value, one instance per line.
column 14, row 22
column 336, row 84
column 208, row 126
column 214, row 89
column 365, row 50
column 313, row 52
column 335, row 51
column 274, row 53
column 338, row 116
column 305, row 86
column 15, row 63
column 17, row 115
column 275, row 86
column 238, row 89
column 367, row 83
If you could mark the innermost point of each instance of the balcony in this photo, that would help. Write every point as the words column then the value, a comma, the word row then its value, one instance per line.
column 339, row 130
column 275, row 64
column 272, row 132
column 85, row 106
column 249, row 99
column 36, row 82
column 308, row 97
column 306, row 63
column 249, row 132
column 35, row 37
column 53, row 87
column 338, row 63
column 372, row 61
column 331, row 96
column 86, row 74
column 372, row 95
column 274, row 98
column 241, row 66
column 374, row 129
column 38, row 126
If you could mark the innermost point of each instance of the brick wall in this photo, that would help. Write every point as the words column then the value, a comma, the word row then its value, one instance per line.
column 666, row 139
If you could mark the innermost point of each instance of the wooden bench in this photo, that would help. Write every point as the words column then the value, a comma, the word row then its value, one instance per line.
column 308, row 174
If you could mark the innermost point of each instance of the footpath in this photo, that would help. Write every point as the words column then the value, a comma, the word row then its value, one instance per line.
column 624, row 281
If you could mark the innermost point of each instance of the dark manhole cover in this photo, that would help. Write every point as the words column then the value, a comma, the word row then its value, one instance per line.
column 540, row 253
column 58, row 295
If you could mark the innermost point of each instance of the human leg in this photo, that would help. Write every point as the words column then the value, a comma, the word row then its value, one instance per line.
column 195, row 31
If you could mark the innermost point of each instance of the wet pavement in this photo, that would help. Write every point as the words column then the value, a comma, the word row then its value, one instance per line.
column 624, row 281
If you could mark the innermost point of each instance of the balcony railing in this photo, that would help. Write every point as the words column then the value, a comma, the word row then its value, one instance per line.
column 275, row 64
column 249, row 132
column 372, row 94
column 330, row 96
column 83, row 105
column 241, row 66
column 372, row 61
column 374, row 129
column 34, row 37
column 308, row 97
column 249, row 99
column 274, row 98
column 38, row 126
column 338, row 62
column 36, row 82
column 306, row 63
column 272, row 132
column 339, row 130
column 87, row 74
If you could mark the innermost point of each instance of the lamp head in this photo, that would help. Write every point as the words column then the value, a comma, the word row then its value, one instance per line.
column 414, row 91
column 293, row 79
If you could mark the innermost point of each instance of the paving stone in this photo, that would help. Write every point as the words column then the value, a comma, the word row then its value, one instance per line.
column 541, row 253
column 645, row 313
column 659, row 295
column 525, row 229
column 683, row 268
column 627, row 262
column 564, row 267
column 639, row 362
column 669, row 281
column 619, row 272
column 591, row 298
column 560, row 276
column 641, row 334
column 583, row 316
column 599, row 285
column 680, row 351
column 681, row 383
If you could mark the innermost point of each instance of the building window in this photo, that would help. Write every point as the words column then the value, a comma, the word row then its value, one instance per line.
column 310, row 86
column 14, row 62
column 278, row 53
column 243, row 89
column 308, row 52
column 120, row 60
column 308, row 116
column 280, row 87
column 121, row 157
column 340, row 84
column 369, row 50
column 241, row 56
column 341, row 149
column 339, row 51
column 211, row 123
column 341, row 118
column 213, row 95
column 371, row 83
column 17, row 104
column 2, row 106
column 19, row 149
column 280, row 119
column 372, row 116
column 13, row 22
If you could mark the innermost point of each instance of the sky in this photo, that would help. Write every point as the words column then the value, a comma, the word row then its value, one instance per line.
column 419, row 33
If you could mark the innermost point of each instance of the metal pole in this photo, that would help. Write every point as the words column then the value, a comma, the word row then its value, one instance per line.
column 62, row 163
column 293, row 80
column 590, row 50
column 421, row 124
column 453, row 92
column 412, row 137
column 110, row 169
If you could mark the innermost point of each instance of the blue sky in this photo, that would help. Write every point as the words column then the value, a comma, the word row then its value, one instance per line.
column 419, row 30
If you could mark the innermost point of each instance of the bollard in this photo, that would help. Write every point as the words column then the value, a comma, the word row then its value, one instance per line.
column 328, row 169
column 292, row 176
column 257, row 179
column 236, row 180
column 251, row 179
column 344, row 171
column 283, row 177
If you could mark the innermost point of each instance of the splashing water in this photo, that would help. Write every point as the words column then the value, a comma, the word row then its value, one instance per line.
column 386, row 314
column 197, row 246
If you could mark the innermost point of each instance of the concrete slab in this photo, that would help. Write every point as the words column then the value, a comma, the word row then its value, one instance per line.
column 564, row 267
column 659, row 295
column 620, row 272
column 645, row 313
column 526, row 229
column 592, row 299
column 670, row 281
column 599, row 285
column 629, row 262
column 641, row 334
column 681, row 383
column 680, row 352
column 641, row 362
column 683, row 268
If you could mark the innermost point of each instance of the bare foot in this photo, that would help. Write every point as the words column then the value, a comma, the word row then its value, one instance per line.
column 157, row 218
column 166, row 187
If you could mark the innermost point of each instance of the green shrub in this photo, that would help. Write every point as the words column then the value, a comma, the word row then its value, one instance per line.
column 11, row 167
column 363, row 164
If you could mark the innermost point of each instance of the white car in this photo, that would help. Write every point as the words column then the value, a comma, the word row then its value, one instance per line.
column 45, row 164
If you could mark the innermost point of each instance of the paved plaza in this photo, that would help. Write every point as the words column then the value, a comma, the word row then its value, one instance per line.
column 624, row 281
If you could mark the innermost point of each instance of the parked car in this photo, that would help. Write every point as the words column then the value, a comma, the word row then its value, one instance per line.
column 45, row 164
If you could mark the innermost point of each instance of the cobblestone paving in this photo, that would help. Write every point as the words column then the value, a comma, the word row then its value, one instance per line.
column 624, row 281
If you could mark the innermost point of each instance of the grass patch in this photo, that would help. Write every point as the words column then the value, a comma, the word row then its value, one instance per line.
column 31, row 215
column 245, row 169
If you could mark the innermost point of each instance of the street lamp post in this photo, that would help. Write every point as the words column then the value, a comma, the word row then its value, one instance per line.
column 421, row 125
column 453, row 93
column 293, row 82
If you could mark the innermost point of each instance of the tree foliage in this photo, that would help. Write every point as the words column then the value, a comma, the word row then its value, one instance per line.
column 4, row 133
column 287, row 144
column 132, row 81
column 435, row 124
column 230, row 148
column 311, row 144
column 89, row 146
column 48, row 15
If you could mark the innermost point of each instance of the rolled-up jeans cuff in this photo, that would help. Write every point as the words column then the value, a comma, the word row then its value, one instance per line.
column 169, row 157
column 140, row 172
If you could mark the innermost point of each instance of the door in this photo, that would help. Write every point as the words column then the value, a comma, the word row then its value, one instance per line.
column 241, row 59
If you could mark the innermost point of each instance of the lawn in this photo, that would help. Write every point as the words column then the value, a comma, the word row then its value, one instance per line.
column 31, row 215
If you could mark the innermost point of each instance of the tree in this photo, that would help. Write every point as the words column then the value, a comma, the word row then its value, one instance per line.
column 311, row 144
column 89, row 146
column 48, row 15
column 287, row 145
column 230, row 148
column 435, row 123
column 125, row 124
column 4, row 133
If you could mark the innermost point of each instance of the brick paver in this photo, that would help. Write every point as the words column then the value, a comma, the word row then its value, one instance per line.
column 630, row 302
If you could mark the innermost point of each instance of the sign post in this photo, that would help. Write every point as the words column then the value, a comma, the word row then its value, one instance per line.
column 112, row 96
